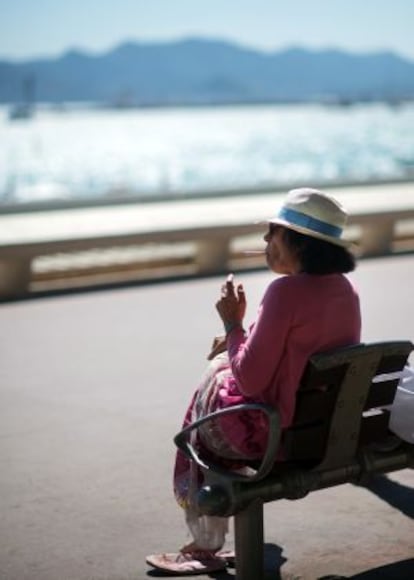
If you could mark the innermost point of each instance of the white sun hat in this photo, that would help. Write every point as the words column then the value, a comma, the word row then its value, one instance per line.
column 313, row 213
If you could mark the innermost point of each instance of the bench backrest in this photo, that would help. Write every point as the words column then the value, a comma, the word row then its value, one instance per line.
column 338, row 407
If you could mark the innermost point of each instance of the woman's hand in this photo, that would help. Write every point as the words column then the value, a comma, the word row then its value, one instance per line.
column 232, row 304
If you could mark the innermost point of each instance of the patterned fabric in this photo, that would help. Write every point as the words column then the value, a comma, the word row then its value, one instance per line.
column 230, row 440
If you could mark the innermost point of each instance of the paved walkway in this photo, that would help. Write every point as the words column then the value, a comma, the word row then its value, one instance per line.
column 92, row 389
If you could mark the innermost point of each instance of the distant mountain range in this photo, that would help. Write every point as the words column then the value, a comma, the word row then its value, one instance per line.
column 196, row 71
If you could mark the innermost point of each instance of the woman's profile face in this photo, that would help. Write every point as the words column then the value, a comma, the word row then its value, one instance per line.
column 279, row 256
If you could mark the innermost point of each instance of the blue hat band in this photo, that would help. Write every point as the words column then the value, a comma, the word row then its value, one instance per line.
column 300, row 219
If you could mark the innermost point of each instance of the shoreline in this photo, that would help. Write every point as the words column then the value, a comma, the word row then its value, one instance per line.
column 119, row 200
column 329, row 101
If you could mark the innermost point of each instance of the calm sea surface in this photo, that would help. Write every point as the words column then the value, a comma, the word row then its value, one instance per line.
column 79, row 153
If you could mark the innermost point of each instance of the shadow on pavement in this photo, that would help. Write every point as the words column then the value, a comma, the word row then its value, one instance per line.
column 395, row 494
column 273, row 561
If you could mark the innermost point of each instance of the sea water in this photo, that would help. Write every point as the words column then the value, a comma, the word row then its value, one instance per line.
column 86, row 152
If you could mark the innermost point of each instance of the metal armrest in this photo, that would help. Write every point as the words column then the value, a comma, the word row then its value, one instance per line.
column 182, row 442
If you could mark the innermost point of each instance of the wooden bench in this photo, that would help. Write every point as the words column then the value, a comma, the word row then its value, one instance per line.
column 339, row 435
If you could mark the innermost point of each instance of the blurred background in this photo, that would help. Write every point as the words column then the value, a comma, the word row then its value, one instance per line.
column 126, row 102
column 143, row 99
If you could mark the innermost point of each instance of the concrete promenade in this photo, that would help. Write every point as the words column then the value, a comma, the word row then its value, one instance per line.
column 92, row 389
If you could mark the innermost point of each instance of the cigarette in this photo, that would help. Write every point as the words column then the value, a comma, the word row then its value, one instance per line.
column 230, row 278
column 254, row 252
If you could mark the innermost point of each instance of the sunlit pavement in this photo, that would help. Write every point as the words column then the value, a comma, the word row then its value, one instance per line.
column 92, row 389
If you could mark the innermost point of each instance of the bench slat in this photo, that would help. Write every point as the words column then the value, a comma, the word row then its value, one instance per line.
column 317, row 396
column 381, row 394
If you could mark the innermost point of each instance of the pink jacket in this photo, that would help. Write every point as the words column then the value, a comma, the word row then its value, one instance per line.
column 299, row 315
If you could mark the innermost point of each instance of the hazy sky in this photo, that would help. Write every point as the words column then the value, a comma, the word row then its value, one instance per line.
column 32, row 28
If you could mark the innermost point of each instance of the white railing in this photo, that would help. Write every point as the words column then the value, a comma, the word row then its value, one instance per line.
column 49, row 248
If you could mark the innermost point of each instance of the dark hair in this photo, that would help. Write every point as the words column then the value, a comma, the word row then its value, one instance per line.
column 318, row 256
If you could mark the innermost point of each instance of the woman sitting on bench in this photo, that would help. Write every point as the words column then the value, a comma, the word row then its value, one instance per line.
column 311, row 308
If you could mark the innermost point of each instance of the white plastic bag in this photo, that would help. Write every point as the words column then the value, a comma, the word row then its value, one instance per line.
column 402, row 408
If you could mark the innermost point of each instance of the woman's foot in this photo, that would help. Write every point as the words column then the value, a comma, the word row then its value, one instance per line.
column 189, row 560
column 192, row 559
column 228, row 556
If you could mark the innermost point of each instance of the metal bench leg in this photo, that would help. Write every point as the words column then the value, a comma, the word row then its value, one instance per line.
column 15, row 277
column 248, row 528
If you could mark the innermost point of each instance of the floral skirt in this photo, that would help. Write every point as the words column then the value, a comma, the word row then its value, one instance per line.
column 230, row 441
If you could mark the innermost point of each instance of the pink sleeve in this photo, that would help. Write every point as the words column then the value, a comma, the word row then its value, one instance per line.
column 254, row 361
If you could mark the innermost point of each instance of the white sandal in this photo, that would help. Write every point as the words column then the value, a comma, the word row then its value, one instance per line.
column 187, row 563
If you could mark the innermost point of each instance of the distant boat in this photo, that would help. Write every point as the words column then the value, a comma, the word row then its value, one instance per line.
column 25, row 109
column 124, row 100
column 21, row 111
